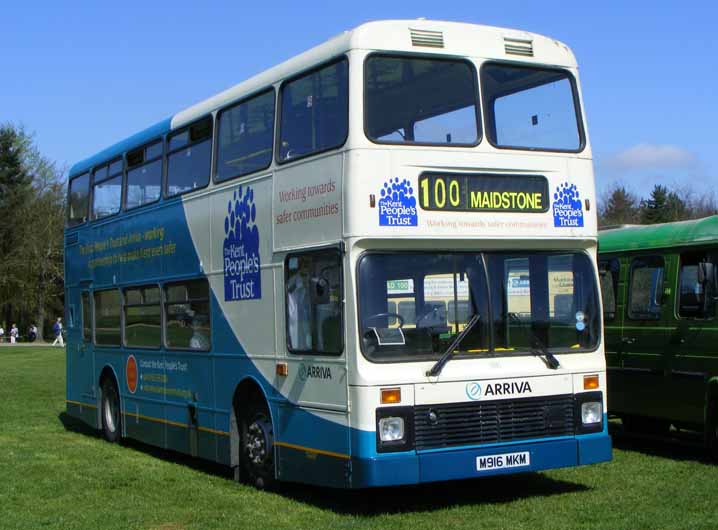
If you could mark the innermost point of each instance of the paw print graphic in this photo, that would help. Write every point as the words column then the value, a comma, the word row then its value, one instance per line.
column 397, row 190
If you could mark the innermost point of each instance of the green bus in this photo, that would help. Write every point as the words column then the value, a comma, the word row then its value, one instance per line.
column 660, row 286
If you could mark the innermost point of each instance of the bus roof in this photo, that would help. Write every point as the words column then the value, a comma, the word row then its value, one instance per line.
column 665, row 235
column 417, row 36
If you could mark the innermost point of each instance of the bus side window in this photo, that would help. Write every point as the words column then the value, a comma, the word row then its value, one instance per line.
column 107, row 189
column 314, row 112
column 646, row 288
column 187, row 316
column 696, row 287
column 313, row 286
column 107, row 317
column 78, row 199
column 190, row 154
column 86, row 318
column 608, row 273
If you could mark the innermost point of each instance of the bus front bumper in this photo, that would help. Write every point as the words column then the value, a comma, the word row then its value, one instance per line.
column 463, row 463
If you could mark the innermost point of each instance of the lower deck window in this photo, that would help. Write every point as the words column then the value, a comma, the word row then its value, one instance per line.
column 107, row 317
column 143, row 322
column 187, row 317
column 313, row 297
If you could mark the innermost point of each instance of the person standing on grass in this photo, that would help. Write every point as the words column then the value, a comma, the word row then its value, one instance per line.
column 2, row 333
column 57, row 329
column 13, row 334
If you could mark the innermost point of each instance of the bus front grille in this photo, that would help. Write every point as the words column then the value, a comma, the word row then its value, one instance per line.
column 476, row 422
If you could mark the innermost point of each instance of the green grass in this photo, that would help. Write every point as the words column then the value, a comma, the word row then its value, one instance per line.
column 56, row 474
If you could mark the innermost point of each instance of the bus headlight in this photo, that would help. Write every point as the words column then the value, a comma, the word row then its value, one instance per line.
column 391, row 429
column 394, row 429
column 591, row 412
column 588, row 416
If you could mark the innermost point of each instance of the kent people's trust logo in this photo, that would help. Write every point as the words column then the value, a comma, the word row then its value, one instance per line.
column 242, row 277
column 397, row 205
column 567, row 207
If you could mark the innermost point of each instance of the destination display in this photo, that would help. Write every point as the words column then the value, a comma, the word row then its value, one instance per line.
column 483, row 193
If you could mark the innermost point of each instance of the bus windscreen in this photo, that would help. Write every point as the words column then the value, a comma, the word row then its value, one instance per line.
column 412, row 306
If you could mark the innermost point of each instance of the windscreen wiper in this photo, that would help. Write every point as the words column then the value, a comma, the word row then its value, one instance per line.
column 542, row 352
column 436, row 369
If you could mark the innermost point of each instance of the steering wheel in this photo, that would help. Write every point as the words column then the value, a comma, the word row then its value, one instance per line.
column 385, row 315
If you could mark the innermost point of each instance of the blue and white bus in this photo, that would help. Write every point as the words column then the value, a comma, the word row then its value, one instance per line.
column 371, row 265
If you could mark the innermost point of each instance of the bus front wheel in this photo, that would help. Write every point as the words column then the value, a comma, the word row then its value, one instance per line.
column 110, row 411
column 257, row 445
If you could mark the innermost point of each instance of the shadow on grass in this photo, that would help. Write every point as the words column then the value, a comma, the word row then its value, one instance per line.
column 203, row 466
column 403, row 499
column 433, row 496
column 677, row 445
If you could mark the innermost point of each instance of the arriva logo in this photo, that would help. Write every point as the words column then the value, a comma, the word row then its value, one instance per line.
column 473, row 391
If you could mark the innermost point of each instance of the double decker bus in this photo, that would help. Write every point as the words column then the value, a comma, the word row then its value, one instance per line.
column 371, row 265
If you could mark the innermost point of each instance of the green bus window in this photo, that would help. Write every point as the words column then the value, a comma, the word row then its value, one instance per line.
column 188, row 163
column 246, row 133
column 86, row 318
column 645, row 295
column 608, row 274
column 78, row 201
column 313, row 283
column 314, row 112
column 143, row 322
column 107, row 317
column 697, row 287
column 187, row 322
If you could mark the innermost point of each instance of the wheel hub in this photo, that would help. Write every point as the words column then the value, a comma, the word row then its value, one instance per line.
column 259, row 441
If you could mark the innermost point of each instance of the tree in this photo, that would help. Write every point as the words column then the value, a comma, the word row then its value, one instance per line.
column 663, row 207
column 31, row 214
column 621, row 207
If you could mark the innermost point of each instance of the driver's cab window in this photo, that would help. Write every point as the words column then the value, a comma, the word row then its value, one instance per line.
column 313, row 285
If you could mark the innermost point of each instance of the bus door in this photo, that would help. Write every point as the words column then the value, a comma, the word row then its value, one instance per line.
column 313, row 421
column 695, row 336
column 80, row 358
column 645, row 353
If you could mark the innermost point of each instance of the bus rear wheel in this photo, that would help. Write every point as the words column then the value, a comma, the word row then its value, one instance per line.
column 110, row 411
column 257, row 445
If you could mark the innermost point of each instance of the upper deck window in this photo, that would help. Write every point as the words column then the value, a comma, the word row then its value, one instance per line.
column 188, row 163
column 246, row 133
column 144, row 175
column 79, row 195
column 314, row 112
column 107, row 189
column 421, row 100
column 531, row 108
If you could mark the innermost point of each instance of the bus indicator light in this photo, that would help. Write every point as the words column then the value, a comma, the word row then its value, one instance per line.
column 590, row 382
column 282, row 369
column 390, row 395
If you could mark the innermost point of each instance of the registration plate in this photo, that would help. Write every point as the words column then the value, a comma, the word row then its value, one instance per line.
column 504, row 461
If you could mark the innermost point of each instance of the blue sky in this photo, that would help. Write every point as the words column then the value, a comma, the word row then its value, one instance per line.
column 83, row 75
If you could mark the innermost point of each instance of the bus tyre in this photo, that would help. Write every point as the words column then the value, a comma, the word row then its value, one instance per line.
column 712, row 428
column 110, row 412
column 257, row 445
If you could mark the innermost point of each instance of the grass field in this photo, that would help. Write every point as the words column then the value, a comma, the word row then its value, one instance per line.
column 56, row 474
